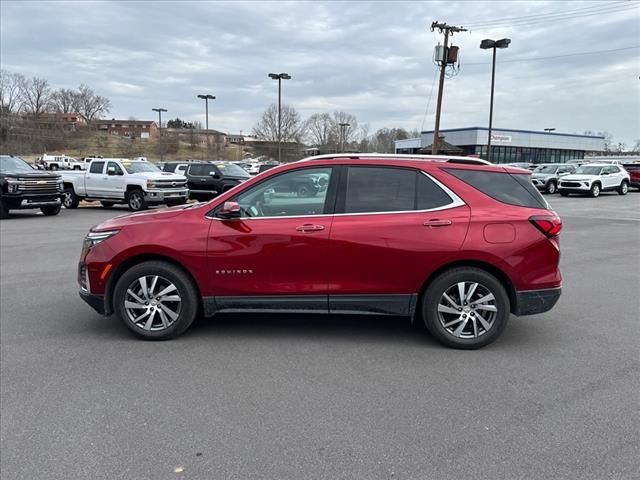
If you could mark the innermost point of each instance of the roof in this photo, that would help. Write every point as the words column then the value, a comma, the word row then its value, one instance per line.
column 493, row 129
column 128, row 122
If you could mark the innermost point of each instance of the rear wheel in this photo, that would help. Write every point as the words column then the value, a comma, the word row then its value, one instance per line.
column 53, row 210
column 305, row 190
column 156, row 300
column 595, row 190
column 551, row 187
column 465, row 308
column 136, row 201
column 624, row 188
column 69, row 198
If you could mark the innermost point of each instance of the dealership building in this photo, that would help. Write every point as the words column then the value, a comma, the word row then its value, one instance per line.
column 507, row 146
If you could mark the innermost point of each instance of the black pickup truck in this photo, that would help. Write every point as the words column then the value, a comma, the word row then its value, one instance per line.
column 22, row 187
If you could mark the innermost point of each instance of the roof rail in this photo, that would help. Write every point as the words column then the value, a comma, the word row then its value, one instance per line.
column 404, row 156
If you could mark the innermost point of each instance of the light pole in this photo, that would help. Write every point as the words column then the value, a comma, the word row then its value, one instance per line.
column 279, row 77
column 160, row 110
column 486, row 45
column 206, row 99
column 549, row 130
column 343, row 129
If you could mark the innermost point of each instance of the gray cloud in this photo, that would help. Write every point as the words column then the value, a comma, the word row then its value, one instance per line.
column 371, row 59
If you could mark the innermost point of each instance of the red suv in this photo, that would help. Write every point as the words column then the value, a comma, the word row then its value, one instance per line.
column 456, row 242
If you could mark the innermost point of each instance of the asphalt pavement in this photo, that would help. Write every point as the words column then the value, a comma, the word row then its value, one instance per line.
column 302, row 397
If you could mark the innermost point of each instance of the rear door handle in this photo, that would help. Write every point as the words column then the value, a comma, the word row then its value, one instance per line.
column 437, row 223
column 309, row 227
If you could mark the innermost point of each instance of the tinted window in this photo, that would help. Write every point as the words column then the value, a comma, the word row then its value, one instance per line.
column 378, row 189
column 116, row 166
column 195, row 170
column 297, row 193
column 506, row 188
column 430, row 195
column 96, row 167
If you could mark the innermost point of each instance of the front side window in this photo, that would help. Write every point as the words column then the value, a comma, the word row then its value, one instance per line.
column 296, row 193
column 115, row 166
column 96, row 167
column 139, row 167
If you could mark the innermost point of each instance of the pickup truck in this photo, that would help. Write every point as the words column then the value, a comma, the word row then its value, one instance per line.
column 132, row 182
column 23, row 187
column 61, row 162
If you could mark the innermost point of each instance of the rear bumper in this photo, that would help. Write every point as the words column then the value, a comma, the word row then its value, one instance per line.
column 94, row 301
column 531, row 302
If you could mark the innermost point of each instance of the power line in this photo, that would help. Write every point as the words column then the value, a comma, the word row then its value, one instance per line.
column 530, row 59
column 539, row 16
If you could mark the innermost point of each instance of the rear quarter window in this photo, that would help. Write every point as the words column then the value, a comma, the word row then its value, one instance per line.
column 512, row 189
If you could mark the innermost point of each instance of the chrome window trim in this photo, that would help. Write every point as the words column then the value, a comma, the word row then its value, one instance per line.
column 456, row 201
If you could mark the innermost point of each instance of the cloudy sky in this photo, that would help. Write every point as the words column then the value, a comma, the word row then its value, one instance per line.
column 372, row 59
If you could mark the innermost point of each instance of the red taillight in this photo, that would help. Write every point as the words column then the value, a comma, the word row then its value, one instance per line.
column 550, row 225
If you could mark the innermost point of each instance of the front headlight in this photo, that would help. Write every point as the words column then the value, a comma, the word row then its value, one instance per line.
column 94, row 238
column 12, row 186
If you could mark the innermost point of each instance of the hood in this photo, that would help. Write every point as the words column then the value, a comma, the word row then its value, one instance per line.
column 34, row 175
column 146, row 216
column 162, row 176
column 542, row 175
column 579, row 178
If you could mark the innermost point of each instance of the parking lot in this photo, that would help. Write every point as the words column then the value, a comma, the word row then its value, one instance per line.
column 292, row 397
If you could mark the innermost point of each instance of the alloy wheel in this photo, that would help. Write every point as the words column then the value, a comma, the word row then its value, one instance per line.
column 135, row 201
column 66, row 199
column 152, row 303
column 467, row 310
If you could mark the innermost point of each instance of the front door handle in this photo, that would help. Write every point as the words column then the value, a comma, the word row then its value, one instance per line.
column 437, row 223
column 309, row 227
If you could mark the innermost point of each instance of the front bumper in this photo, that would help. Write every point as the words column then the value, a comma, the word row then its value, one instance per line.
column 19, row 202
column 539, row 183
column 160, row 196
column 531, row 302
column 94, row 301
column 574, row 186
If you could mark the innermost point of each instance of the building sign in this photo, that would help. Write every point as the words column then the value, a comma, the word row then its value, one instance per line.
column 495, row 138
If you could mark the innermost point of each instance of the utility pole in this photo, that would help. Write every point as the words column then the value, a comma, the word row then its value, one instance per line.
column 160, row 110
column 206, row 98
column 343, row 130
column 447, row 30
column 279, row 77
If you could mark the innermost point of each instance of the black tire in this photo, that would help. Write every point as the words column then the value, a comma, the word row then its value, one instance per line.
column 136, row 201
column 49, row 211
column 595, row 190
column 497, row 321
column 69, row 198
column 306, row 190
column 185, row 288
column 4, row 211
column 76, row 167
column 53, row 167
column 624, row 188
column 108, row 204
column 552, row 187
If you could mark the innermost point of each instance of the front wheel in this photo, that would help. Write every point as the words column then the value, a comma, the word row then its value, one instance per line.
column 69, row 198
column 624, row 188
column 465, row 308
column 156, row 300
column 595, row 190
column 53, row 210
column 551, row 187
column 136, row 201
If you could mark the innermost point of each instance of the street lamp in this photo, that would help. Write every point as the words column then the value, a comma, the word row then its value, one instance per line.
column 160, row 110
column 486, row 45
column 549, row 129
column 279, row 77
column 343, row 128
column 206, row 99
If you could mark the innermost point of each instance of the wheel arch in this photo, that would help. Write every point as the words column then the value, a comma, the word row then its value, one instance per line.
column 502, row 277
column 131, row 187
column 135, row 260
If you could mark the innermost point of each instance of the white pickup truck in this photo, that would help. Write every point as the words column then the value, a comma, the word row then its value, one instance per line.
column 61, row 162
column 132, row 182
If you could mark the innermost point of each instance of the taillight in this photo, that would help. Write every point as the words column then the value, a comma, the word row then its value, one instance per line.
column 550, row 225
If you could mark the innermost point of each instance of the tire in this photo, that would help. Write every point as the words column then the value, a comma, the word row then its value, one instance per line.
column 107, row 204
column 69, row 198
column 595, row 190
column 50, row 211
column 76, row 168
column 164, row 325
column 305, row 190
column 4, row 211
column 459, row 326
column 551, row 187
column 136, row 201
column 564, row 194
column 53, row 167
column 624, row 188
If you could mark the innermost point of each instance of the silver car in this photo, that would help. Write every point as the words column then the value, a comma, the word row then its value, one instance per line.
column 547, row 175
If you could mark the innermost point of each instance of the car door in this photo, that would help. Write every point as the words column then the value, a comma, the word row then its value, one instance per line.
column 114, row 183
column 199, row 181
column 95, row 180
column 392, row 228
column 276, row 255
column 617, row 175
column 607, row 176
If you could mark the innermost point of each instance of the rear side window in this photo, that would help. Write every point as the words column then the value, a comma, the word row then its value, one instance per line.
column 96, row 167
column 504, row 187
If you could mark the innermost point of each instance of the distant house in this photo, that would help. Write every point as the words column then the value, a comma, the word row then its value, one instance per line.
column 67, row 121
column 198, row 135
column 127, row 128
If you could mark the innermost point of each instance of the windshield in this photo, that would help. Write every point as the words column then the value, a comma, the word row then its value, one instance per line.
column 587, row 170
column 139, row 167
column 13, row 164
column 546, row 169
column 231, row 170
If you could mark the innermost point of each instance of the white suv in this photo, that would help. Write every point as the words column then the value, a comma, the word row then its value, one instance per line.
column 594, row 178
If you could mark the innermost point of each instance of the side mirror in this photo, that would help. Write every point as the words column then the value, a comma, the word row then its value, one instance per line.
column 229, row 210
column 111, row 171
column 214, row 174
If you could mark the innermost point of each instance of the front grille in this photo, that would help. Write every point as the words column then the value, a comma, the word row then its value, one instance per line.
column 570, row 184
column 43, row 186
column 178, row 184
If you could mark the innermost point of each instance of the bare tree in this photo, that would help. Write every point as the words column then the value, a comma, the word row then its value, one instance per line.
column 320, row 130
column 11, row 91
column 90, row 105
column 65, row 100
column 383, row 141
column 292, row 128
column 636, row 146
column 37, row 96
